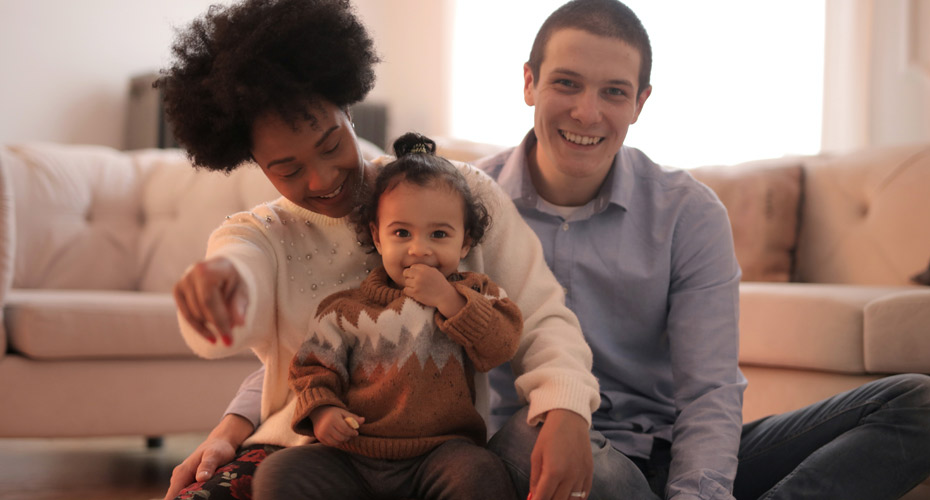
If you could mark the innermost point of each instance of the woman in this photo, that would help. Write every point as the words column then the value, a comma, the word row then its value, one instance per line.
column 270, row 82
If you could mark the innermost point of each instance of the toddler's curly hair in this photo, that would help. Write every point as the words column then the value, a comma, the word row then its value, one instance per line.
column 238, row 62
column 417, row 163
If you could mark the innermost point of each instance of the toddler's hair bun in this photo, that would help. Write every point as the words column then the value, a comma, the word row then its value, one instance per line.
column 413, row 143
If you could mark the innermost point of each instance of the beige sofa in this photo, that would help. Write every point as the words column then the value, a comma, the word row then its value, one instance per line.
column 93, row 239
column 92, row 242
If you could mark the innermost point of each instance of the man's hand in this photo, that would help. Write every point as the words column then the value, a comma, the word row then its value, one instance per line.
column 211, row 296
column 429, row 287
column 561, row 460
column 333, row 426
column 218, row 449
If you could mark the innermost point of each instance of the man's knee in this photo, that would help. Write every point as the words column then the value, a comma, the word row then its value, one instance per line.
column 910, row 390
column 514, row 442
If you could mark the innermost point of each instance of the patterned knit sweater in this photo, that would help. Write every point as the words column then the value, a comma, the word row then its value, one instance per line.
column 402, row 365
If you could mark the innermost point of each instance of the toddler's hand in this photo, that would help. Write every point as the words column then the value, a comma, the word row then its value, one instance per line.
column 426, row 284
column 333, row 425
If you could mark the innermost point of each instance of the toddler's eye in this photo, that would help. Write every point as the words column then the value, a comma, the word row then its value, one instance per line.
column 439, row 234
column 402, row 233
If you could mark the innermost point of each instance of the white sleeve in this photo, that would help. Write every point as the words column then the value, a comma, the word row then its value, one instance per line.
column 250, row 252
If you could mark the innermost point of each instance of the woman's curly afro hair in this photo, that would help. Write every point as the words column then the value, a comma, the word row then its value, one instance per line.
column 238, row 62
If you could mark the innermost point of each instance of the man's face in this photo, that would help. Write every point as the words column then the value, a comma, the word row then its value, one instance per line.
column 585, row 100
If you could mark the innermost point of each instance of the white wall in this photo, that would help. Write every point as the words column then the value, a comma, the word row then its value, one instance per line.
column 413, row 38
column 66, row 64
column 877, row 76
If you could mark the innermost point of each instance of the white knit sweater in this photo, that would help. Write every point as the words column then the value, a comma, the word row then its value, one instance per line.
column 291, row 258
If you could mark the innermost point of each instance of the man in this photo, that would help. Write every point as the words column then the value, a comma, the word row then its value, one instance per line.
column 646, row 258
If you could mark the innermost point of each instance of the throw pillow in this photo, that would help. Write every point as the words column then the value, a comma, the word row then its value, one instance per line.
column 922, row 278
column 763, row 200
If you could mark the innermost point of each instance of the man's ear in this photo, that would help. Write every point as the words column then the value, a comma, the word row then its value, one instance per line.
column 375, row 236
column 528, row 86
column 640, row 102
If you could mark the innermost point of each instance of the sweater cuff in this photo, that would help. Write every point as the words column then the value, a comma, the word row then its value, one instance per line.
column 562, row 393
column 310, row 400
column 471, row 323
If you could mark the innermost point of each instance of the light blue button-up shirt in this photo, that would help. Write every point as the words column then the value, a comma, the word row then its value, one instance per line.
column 649, row 268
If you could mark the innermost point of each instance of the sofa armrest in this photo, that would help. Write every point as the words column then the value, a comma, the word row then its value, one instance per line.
column 7, row 242
column 813, row 326
column 897, row 333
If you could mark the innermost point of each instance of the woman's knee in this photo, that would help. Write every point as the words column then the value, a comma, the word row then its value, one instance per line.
column 515, row 440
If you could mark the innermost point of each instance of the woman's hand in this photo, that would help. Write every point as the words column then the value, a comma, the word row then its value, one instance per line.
column 333, row 426
column 218, row 449
column 561, row 462
column 212, row 298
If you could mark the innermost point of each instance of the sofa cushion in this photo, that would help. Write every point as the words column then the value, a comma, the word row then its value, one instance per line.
column 864, row 218
column 813, row 326
column 762, row 200
column 80, row 207
column 68, row 324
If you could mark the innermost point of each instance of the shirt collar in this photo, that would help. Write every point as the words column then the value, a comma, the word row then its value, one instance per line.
column 516, row 181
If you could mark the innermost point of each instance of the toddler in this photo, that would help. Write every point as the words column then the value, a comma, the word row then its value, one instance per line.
column 385, row 378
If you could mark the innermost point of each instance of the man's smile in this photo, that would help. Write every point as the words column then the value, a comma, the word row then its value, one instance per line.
column 581, row 140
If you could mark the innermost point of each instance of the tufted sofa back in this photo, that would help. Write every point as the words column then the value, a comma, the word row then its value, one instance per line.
column 865, row 217
column 90, row 217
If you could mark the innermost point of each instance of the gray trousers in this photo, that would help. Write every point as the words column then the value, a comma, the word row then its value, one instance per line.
column 455, row 470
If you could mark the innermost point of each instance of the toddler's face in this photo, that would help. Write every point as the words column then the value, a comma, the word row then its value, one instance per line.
column 420, row 225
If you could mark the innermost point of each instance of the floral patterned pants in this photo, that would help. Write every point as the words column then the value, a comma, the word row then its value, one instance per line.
column 233, row 481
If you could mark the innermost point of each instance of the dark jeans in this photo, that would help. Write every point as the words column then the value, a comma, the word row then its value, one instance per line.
column 455, row 470
column 869, row 443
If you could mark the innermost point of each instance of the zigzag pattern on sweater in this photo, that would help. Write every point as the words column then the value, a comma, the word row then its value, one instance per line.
column 386, row 341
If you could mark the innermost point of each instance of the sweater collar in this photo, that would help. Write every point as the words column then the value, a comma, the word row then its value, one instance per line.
column 380, row 288
column 311, row 216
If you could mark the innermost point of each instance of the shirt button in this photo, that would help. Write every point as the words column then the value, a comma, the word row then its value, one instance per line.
column 565, row 226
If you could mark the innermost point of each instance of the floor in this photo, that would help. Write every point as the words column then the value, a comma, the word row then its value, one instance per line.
column 110, row 468
column 79, row 469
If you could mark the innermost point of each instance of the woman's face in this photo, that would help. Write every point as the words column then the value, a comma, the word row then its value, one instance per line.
column 315, row 163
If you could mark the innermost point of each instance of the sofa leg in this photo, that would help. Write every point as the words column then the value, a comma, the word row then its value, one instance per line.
column 154, row 442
